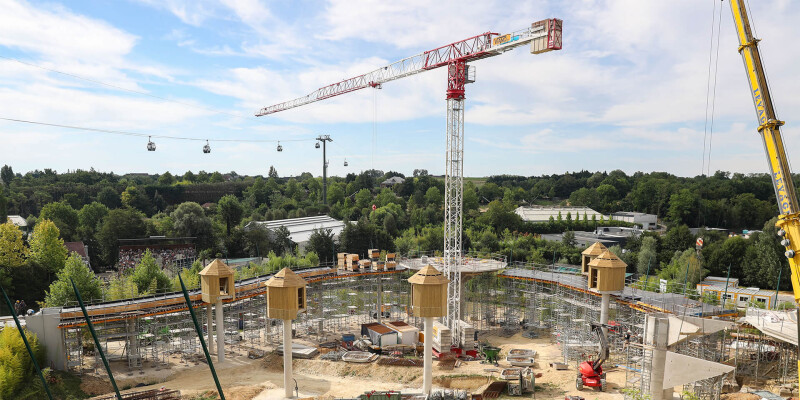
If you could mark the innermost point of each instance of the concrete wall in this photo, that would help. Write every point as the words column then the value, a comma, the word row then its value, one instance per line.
column 45, row 325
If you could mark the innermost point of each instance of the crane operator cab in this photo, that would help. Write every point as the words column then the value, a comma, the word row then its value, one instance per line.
column 150, row 145
column 207, row 148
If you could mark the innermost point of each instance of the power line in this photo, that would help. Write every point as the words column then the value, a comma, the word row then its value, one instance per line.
column 139, row 92
column 139, row 134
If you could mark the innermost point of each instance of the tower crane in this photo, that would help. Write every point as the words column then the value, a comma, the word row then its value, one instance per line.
column 542, row 36
column 769, row 129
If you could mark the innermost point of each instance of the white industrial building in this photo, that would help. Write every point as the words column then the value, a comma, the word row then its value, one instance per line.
column 300, row 229
column 543, row 213
column 646, row 221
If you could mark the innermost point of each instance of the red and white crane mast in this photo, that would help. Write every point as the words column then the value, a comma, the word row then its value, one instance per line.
column 543, row 36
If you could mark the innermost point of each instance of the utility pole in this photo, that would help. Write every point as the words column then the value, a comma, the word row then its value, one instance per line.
column 324, row 139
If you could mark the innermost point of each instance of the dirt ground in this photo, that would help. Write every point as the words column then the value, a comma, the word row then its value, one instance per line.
column 244, row 379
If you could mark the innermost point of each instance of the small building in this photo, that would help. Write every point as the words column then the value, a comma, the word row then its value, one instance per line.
column 428, row 292
column 380, row 335
column 19, row 222
column 300, row 229
column 590, row 254
column 543, row 213
column 607, row 273
column 408, row 334
column 729, row 290
column 81, row 250
column 392, row 181
column 645, row 221
column 286, row 295
column 216, row 282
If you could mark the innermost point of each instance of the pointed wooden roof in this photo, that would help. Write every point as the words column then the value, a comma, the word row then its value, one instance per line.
column 286, row 278
column 607, row 260
column 428, row 276
column 217, row 268
column 595, row 249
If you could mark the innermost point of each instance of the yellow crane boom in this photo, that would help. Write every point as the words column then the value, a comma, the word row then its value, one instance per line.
column 769, row 127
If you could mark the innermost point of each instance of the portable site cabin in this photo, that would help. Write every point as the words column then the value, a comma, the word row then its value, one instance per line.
column 607, row 273
column 408, row 334
column 380, row 335
column 590, row 254
column 216, row 282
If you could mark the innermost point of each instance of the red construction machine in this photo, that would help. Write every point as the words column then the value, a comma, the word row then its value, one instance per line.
column 590, row 372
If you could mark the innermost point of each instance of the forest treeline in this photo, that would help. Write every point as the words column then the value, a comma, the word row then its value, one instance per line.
column 99, row 208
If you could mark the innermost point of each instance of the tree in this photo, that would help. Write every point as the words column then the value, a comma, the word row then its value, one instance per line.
column 64, row 216
column 420, row 172
column 109, row 197
column 681, row 263
column 12, row 248
column 189, row 177
column 3, row 206
column 125, row 223
column 683, row 206
column 47, row 249
column 166, row 179
column 6, row 174
column 283, row 242
column 230, row 211
column 16, row 367
column 321, row 242
column 60, row 293
column 273, row 173
column 568, row 239
column 90, row 219
column 136, row 198
column 190, row 220
column 647, row 255
column 433, row 197
column 149, row 277
column 335, row 194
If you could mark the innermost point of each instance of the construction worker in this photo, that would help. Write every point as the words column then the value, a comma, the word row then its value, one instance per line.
column 22, row 307
column 16, row 308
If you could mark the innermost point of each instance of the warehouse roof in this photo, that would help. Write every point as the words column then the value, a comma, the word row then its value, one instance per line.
column 300, row 229
column 543, row 213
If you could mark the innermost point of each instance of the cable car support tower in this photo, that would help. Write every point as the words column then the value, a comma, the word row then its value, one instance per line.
column 542, row 36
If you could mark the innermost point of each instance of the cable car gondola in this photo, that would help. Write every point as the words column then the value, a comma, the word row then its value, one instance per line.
column 207, row 148
column 316, row 145
column 150, row 145
column 345, row 162
column 280, row 148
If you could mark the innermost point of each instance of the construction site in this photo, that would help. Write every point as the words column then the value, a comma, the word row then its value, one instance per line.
column 359, row 319
column 446, row 325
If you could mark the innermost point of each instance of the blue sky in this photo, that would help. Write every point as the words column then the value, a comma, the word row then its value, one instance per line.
column 628, row 90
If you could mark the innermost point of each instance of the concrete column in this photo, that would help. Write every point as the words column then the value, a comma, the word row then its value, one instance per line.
column 210, row 327
column 287, row 359
column 427, row 374
column 604, row 311
column 656, row 336
column 220, row 333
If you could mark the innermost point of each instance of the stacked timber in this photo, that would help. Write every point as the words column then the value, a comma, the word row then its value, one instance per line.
column 379, row 265
column 442, row 337
column 364, row 264
column 467, row 335
column 342, row 260
column 391, row 263
column 352, row 262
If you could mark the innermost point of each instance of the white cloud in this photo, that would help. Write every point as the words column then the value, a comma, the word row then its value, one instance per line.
column 60, row 34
